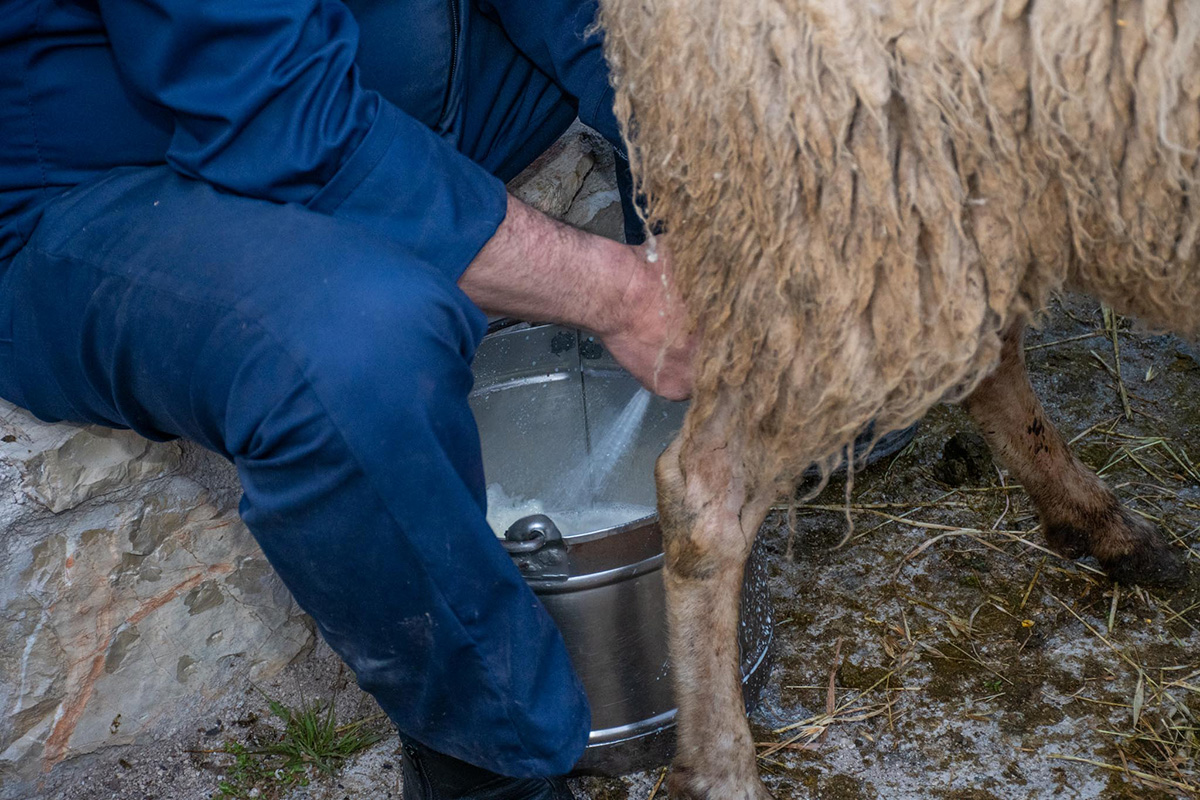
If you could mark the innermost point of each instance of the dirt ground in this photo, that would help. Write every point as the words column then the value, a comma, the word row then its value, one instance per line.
column 967, row 662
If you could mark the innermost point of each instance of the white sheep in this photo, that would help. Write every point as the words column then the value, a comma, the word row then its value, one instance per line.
column 866, row 200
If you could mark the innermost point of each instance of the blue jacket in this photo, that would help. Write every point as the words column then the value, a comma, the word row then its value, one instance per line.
column 263, row 98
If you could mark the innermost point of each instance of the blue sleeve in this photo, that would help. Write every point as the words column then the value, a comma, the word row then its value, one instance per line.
column 267, row 103
column 556, row 35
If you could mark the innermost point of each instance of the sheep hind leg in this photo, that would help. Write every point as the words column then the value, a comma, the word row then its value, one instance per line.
column 1079, row 513
column 708, row 529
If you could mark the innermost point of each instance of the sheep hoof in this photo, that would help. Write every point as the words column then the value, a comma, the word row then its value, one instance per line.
column 686, row 784
column 1135, row 552
column 1156, row 564
column 1067, row 540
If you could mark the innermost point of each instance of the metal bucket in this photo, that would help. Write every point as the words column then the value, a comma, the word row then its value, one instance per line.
column 541, row 396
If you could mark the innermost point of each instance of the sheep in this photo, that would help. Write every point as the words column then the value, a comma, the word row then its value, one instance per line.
column 866, row 202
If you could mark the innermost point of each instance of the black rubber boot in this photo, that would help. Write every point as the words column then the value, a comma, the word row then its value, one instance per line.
column 888, row 445
column 429, row 775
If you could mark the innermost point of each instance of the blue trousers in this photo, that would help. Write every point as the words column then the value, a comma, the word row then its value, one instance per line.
column 333, row 369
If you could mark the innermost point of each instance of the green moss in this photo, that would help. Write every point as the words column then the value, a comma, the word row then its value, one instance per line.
column 1118, row 788
column 853, row 676
column 951, row 678
column 843, row 787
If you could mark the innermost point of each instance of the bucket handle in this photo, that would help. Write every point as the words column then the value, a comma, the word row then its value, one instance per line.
column 536, row 545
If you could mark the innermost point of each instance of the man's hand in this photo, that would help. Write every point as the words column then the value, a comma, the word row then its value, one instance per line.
column 650, row 337
column 538, row 269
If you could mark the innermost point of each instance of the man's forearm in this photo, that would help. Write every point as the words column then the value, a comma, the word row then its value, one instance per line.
column 537, row 268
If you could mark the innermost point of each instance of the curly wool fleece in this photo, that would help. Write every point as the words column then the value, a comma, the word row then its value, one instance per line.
column 861, row 195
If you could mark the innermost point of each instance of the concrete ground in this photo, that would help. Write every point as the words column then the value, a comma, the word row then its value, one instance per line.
column 968, row 662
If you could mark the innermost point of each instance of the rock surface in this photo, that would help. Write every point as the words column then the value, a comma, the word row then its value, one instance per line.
column 130, row 597
column 574, row 181
column 63, row 466
column 551, row 182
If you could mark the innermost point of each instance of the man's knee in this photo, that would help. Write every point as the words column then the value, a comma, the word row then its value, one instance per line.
column 400, row 338
column 383, row 350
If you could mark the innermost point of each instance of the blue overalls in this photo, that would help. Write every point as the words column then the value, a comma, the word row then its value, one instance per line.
column 243, row 223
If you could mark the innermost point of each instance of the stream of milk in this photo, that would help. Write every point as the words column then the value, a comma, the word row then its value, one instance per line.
column 571, row 502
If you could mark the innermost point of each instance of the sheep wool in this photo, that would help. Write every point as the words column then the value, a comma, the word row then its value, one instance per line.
column 859, row 196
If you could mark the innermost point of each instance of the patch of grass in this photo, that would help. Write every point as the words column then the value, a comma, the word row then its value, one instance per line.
column 311, row 742
column 245, row 776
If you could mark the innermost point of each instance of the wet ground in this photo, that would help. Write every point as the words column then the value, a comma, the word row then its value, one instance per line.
column 967, row 661
column 943, row 652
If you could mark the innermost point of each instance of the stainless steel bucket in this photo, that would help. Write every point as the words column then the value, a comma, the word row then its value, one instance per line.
column 541, row 395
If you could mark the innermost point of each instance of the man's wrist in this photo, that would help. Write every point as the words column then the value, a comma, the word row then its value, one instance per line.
column 613, row 269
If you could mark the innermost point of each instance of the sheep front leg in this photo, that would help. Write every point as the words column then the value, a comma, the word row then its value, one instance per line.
column 708, row 530
column 1079, row 513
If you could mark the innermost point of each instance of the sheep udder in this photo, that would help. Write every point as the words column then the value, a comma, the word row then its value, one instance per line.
column 860, row 195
